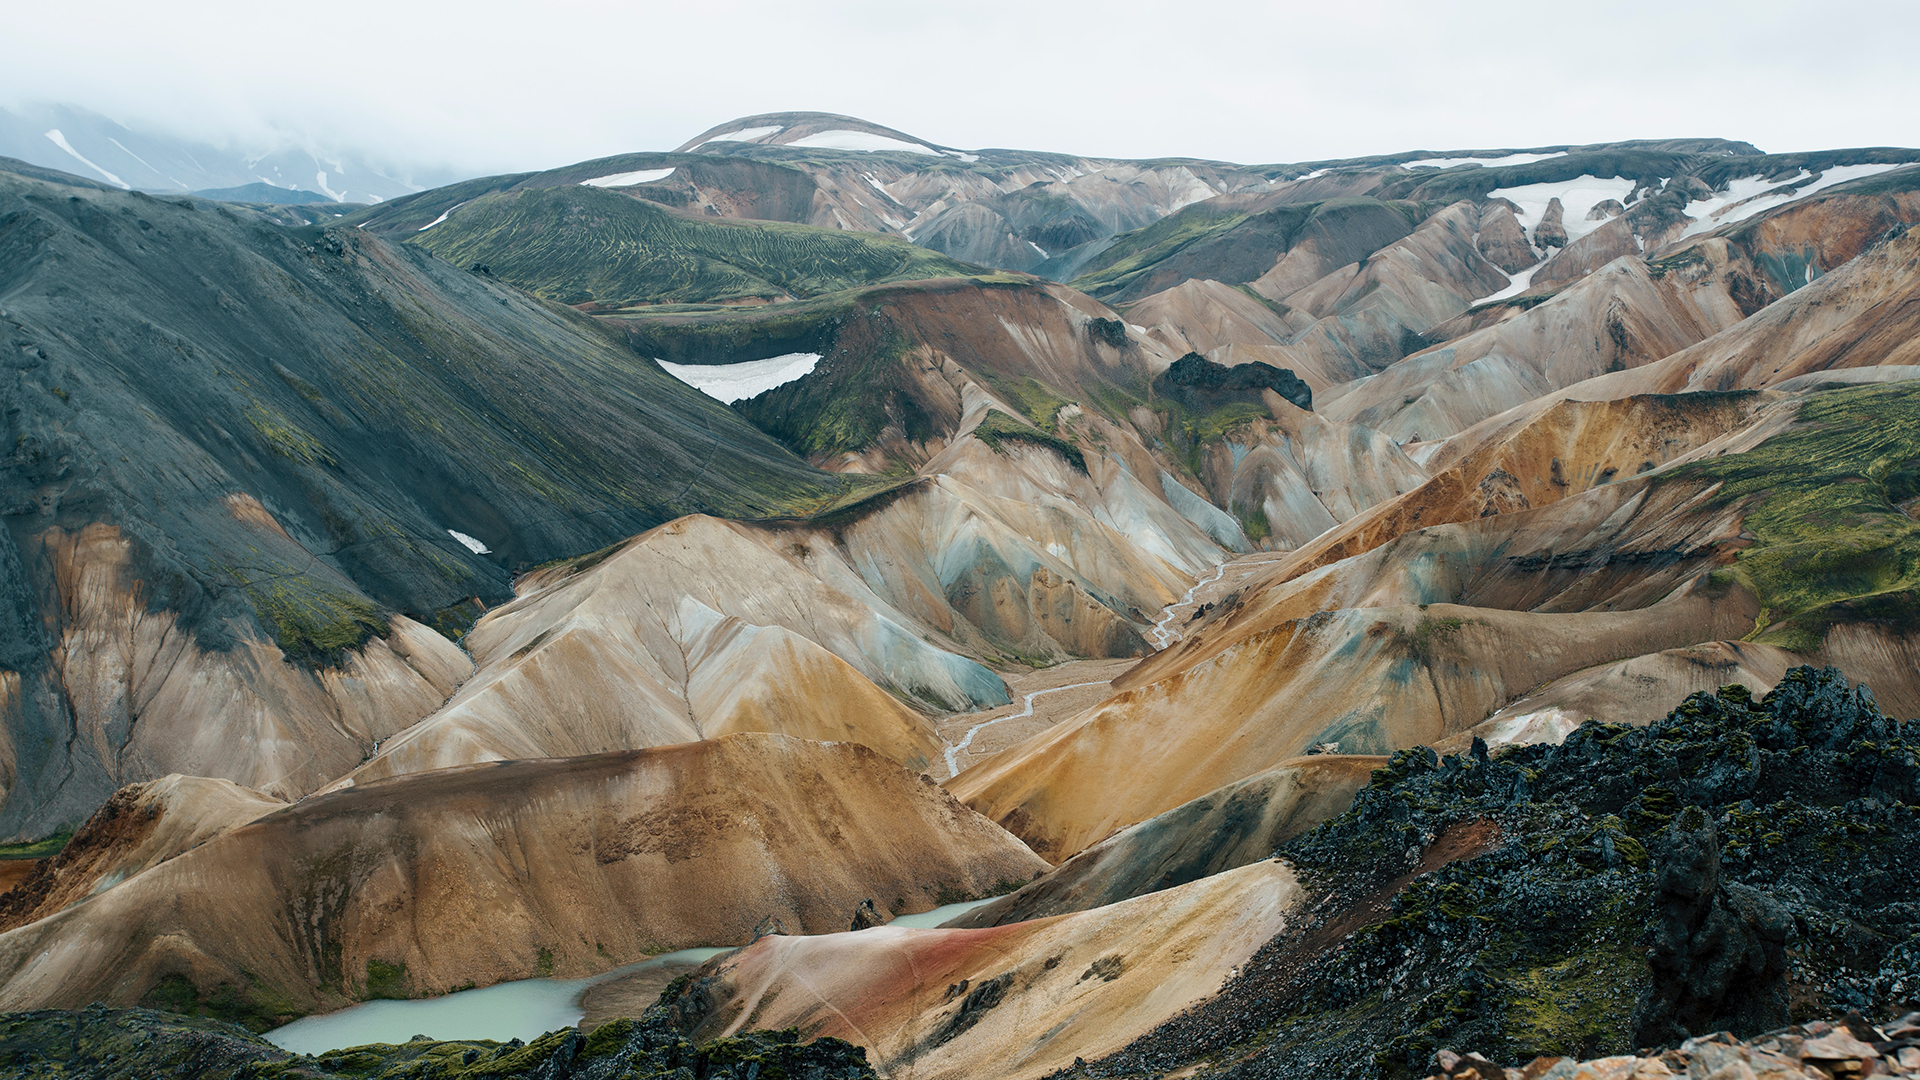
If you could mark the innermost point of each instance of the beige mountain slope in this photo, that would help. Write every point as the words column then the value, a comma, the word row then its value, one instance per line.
column 696, row 629
column 142, row 826
column 1333, row 323
column 703, row 627
column 152, row 700
column 501, row 871
column 1864, row 314
column 1622, row 316
column 1373, row 654
column 1633, row 311
column 1236, row 825
column 1529, row 458
column 994, row 207
column 1636, row 691
column 1009, row 1001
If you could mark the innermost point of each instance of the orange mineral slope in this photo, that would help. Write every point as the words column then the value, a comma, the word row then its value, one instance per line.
column 509, row 870
column 1011, row 1001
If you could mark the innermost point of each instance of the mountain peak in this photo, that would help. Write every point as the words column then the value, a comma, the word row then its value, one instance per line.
column 813, row 130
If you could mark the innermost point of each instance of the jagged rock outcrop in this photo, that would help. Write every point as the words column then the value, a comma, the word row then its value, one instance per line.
column 1202, row 385
column 1849, row 1046
column 1507, row 903
column 1717, row 951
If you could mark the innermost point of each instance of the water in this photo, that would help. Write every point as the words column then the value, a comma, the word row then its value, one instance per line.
column 929, row 919
column 523, row 1010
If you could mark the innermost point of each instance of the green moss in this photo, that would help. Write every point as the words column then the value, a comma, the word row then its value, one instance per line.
column 253, row 1006
column 386, row 981
column 1573, row 1005
column 312, row 623
column 998, row 429
column 1831, row 544
column 1034, row 401
column 284, row 437
column 586, row 245
column 37, row 849
column 543, row 966
column 1253, row 522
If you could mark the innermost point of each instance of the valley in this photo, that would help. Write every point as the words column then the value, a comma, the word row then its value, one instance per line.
column 829, row 599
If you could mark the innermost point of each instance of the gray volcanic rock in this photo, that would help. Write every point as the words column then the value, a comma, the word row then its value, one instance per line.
column 1502, row 239
column 1552, row 230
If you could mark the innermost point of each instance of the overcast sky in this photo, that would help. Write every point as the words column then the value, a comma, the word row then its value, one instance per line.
column 485, row 85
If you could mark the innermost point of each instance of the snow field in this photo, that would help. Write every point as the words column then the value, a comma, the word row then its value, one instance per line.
column 734, row 382
column 628, row 179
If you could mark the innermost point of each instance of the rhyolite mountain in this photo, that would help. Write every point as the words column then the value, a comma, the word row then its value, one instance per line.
column 392, row 611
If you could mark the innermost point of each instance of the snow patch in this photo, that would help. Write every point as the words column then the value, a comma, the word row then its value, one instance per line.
column 1491, row 163
column 1577, row 196
column 860, row 140
column 441, row 218
column 1748, row 196
column 60, row 141
column 628, row 179
column 1038, row 248
column 1516, row 284
column 747, row 134
column 964, row 157
column 321, row 179
column 469, row 542
column 734, row 382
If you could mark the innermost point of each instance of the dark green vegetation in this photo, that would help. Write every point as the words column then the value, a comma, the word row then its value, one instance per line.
column 1236, row 240
column 1826, row 504
column 998, row 429
column 45, row 847
column 104, row 1043
column 282, row 424
column 589, row 245
column 1729, row 866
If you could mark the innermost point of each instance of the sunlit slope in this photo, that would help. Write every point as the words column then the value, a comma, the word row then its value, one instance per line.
column 513, row 870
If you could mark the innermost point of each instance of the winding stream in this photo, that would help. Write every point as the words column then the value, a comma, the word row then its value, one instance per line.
column 953, row 752
column 1163, row 637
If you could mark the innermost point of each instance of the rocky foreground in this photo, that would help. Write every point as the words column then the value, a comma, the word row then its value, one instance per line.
column 102, row 1043
column 1815, row 1051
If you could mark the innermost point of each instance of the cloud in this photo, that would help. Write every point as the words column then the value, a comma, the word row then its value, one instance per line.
column 490, row 86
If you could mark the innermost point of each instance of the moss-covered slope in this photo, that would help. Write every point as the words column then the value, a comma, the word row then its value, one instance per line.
column 1828, row 506
column 589, row 245
column 284, row 425
column 1237, row 240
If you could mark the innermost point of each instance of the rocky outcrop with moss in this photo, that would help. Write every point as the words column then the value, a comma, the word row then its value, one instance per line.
column 102, row 1042
column 1735, row 865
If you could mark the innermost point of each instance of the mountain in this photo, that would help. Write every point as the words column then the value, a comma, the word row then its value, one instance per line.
column 264, row 193
column 81, row 141
column 1370, row 606
column 688, row 844
column 225, row 533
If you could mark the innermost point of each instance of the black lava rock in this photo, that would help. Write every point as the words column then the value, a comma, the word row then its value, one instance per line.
column 1202, row 385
